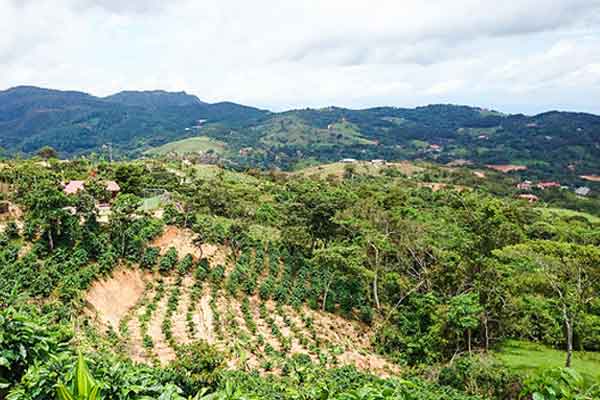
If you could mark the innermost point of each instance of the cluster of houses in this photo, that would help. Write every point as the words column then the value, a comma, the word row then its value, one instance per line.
column 73, row 187
column 354, row 161
column 528, row 185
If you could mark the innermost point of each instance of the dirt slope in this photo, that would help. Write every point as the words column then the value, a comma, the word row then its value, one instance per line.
column 279, row 331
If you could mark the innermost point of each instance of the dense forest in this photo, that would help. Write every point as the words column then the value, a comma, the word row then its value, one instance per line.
column 553, row 146
column 410, row 281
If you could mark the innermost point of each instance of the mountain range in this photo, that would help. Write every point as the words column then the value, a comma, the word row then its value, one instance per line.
column 136, row 122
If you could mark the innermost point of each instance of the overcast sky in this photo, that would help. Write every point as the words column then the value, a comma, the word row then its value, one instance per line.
column 512, row 55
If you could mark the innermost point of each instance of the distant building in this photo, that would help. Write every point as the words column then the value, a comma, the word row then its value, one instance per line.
column 532, row 198
column 113, row 188
column 245, row 151
column 546, row 185
column 582, row 191
column 482, row 137
column 73, row 187
column 435, row 147
column 591, row 178
column 378, row 162
column 525, row 185
column 348, row 160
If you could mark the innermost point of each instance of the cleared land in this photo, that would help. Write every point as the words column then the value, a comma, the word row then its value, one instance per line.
column 360, row 167
column 525, row 357
column 190, row 145
column 252, row 332
column 291, row 130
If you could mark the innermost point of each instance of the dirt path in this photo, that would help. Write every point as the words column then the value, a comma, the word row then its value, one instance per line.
column 179, row 319
column 161, row 349
column 136, row 341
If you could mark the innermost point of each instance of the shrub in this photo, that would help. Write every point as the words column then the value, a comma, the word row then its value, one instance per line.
column 197, row 365
column 480, row 376
column 150, row 257
column 12, row 230
column 185, row 265
column 168, row 260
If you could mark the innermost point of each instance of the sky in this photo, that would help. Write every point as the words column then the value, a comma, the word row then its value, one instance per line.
column 514, row 55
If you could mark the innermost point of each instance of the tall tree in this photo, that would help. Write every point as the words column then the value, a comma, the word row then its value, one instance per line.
column 47, row 153
column 572, row 273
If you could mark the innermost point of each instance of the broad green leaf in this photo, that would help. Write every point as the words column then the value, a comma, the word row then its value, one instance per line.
column 64, row 393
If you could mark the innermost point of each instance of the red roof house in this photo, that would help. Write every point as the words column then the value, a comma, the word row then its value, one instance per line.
column 73, row 187
column 545, row 185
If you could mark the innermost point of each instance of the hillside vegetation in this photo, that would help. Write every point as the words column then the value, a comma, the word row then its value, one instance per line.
column 551, row 146
column 396, row 281
column 198, row 144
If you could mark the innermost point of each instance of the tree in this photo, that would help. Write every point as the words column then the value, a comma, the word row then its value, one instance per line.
column 46, row 204
column 463, row 314
column 369, row 224
column 124, row 211
column 572, row 274
column 47, row 153
column 337, row 260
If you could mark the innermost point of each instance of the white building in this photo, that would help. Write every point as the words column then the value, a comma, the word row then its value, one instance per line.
column 582, row 191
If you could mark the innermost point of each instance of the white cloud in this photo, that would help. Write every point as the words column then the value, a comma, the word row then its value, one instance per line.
column 516, row 55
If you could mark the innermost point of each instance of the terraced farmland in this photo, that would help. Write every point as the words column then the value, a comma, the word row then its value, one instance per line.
column 247, row 306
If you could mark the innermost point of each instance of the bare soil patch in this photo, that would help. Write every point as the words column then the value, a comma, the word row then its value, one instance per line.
column 183, row 241
column 507, row 167
column 591, row 178
column 109, row 299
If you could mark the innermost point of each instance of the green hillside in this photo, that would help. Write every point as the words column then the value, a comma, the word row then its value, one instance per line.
column 559, row 146
column 190, row 145
column 344, row 281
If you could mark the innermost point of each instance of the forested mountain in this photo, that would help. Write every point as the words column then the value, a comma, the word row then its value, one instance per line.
column 553, row 145
column 76, row 123
column 154, row 98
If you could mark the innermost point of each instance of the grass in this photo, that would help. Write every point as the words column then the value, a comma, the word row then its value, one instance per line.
column 527, row 358
column 190, row 145
column 292, row 130
column 152, row 203
column 564, row 213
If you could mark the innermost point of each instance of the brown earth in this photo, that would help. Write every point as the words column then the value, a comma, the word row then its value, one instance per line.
column 110, row 299
column 591, row 178
column 123, row 296
column 183, row 241
column 507, row 167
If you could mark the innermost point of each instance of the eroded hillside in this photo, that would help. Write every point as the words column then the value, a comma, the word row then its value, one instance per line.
column 152, row 313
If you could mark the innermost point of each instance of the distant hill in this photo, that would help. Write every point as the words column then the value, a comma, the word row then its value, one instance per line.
column 78, row 123
column 552, row 145
column 154, row 99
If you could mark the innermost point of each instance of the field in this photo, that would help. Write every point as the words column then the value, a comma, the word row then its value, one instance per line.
column 528, row 358
column 290, row 130
column 190, row 145
column 362, row 168
column 564, row 213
